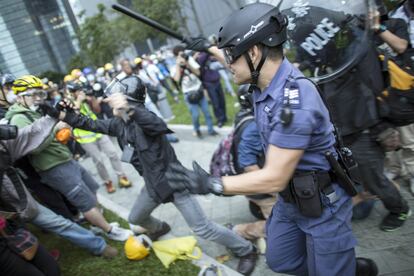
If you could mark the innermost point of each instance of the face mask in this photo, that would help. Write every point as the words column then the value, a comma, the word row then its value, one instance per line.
column 34, row 107
column 11, row 97
column 57, row 98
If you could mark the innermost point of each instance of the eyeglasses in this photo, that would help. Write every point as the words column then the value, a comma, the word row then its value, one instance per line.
column 229, row 55
column 34, row 93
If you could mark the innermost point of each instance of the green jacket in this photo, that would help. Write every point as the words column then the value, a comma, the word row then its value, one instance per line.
column 49, row 154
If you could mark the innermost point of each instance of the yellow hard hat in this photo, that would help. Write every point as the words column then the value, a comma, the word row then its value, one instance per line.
column 137, row 248
column 26, row 82
column 67, row 78
column 76, row 73
column 137, row 60
column 108, row 66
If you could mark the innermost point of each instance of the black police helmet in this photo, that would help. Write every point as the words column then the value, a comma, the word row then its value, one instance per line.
column 135, row 88
column 244, row 97
column 253, row 24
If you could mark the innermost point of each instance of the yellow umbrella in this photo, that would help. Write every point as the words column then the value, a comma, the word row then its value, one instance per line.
column 183, row 248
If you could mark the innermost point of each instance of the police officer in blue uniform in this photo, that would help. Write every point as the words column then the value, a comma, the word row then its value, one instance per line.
column 309, row 230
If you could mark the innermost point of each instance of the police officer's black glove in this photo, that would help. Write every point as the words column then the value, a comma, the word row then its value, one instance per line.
column 199, row 44
column 48, row 109
column 197, row 181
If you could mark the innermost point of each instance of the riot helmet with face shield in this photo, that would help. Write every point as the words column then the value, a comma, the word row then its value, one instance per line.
column 131, row 86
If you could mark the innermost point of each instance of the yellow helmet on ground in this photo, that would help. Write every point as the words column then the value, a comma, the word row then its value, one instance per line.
column 76, row 73
column 108, row 66
column 137, row 248
column 26, row 82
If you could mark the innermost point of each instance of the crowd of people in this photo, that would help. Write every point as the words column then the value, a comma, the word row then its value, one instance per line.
column 298, row 194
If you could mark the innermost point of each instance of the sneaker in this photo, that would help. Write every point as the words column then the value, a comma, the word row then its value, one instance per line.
column 366, row 267
column 198, row 134
column 156, row 235
column 109, row 252
column 98, row 231
column 394, row 221
column 136, row 229
column 124, row 182
column 119, row 234
column 247, row 263
column 109, row 187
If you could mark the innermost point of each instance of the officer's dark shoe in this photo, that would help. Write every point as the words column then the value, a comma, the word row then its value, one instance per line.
column 394, row 221
column 248, row 262
column 366, row 267
column 156, row 235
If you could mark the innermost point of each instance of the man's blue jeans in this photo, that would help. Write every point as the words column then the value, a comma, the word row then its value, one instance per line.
column 47, row 220
column 195, row 114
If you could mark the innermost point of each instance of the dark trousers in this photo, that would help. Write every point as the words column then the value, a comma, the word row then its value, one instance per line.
column 370, row 157
column 52, row 199
column 215, row 92
column 42, row 264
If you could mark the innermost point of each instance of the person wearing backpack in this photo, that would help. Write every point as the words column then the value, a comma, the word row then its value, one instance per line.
column 249, row 156
column 187, row 74
column 211, row 82
column 401, row 163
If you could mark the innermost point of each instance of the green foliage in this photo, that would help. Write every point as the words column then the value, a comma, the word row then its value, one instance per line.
column 101, row 39
column 183, row 116
column 53, row 76
column 165, row 12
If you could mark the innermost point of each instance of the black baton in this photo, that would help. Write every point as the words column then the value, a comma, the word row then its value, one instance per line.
column 148, row 21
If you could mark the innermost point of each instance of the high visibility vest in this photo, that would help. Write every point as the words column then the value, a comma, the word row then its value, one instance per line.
column 85, row 136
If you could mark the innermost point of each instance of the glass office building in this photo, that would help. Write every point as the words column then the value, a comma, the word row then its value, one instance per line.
column 35, row 36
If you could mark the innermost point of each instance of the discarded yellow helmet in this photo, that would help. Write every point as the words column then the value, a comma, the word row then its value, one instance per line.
column 108, row 66
column 137, row 248
column 26, row 82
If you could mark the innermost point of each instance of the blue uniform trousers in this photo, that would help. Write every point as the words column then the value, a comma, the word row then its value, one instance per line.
column 321, row 246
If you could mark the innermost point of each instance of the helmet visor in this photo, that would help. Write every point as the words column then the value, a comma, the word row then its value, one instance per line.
column 115, row 86
column 34, row 93
column 229, row 55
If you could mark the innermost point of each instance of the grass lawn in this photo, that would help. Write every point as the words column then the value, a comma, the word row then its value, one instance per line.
column 182, row 114
column 77, row 261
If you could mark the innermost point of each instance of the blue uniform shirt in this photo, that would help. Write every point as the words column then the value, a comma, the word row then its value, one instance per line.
column 250, row 147
column 310, row 128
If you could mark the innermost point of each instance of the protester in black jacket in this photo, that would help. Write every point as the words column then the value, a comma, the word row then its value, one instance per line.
column 142, row 137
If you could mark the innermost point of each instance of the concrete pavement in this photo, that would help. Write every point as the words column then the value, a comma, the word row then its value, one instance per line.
column 393, row 252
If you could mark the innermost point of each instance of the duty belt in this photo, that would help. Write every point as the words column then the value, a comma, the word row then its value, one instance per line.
column 323, row 179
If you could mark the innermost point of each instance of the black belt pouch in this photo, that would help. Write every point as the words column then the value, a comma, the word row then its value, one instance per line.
column 305, row 189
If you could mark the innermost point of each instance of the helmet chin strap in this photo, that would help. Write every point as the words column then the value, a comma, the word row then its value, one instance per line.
column 255, row 72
